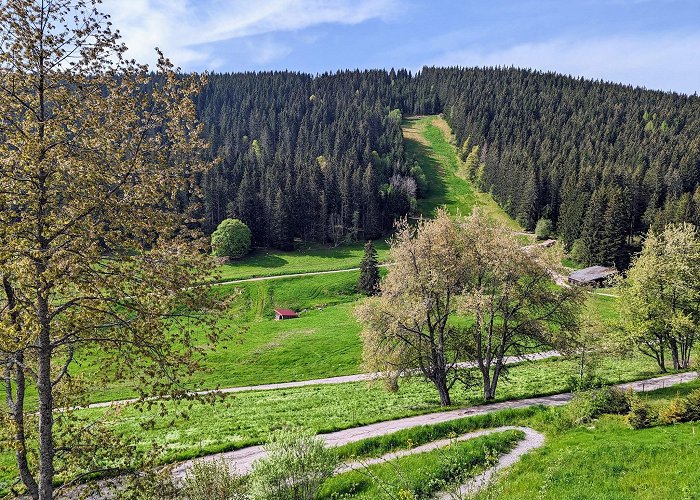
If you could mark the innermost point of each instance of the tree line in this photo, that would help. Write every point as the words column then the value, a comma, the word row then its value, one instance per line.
column 322, row 158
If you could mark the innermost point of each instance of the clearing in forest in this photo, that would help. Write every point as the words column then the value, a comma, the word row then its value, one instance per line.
column 427, row 138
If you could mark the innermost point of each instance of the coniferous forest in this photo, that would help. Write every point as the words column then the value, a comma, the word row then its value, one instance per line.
column 322, row 158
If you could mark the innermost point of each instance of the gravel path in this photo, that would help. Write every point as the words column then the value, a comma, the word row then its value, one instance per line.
column 533, row 438
column 295, row 275
column 243, row 459
column 531, row 441
column 361, row 377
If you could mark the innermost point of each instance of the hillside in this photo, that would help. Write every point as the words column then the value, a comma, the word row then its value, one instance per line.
column 603, row 161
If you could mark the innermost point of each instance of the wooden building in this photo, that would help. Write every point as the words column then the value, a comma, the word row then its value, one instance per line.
column 285, row 314
column 592, row 276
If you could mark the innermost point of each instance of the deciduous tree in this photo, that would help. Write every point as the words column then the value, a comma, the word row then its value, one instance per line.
column 660, row 302
column 407, row 327
column 231, row 239
column 97, row 155
column 510, row 297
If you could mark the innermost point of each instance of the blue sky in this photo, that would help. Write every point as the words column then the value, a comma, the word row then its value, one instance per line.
column 651, row 43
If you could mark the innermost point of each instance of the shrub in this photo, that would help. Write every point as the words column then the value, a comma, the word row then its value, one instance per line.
column 674, row 412
column 641, row 414
column 544, row 229
column 682, row 409
column 588, row 405
column 613, row 401
column 587, row 382
column 581, row 409
column 231, row 239
column 296, row 465
column 692, row 406
column 213, row 479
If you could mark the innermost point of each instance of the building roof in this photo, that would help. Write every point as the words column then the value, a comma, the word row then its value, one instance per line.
column 590, row 274
column 286, row 312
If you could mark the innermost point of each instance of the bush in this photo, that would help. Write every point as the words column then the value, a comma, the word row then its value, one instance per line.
column 581, row 409
column 692, row 406
column 612, row 401
column 682, row 409
column 213, row 479
column 544, row 229
column 588, row 405
column 641, row 415
column 231, row 239
column 296, row 465
column 674, row 412
column 586, row 383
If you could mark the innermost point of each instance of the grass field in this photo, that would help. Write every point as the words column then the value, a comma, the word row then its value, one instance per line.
column 323, row 342
column 247, row 418
column 305, row 258
column 423, row 474
column 428, row 139
column 609, row 460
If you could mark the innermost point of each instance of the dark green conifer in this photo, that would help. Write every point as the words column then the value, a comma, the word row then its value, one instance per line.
column 369, row 271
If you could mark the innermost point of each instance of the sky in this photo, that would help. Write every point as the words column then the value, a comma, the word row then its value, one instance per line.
column 649, row 43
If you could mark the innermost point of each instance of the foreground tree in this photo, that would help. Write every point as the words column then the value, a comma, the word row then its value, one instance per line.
column 660, row 304
column 96, row 159
column 368, row 282
column 511, row 298
column 406, row 327
column 462, row 291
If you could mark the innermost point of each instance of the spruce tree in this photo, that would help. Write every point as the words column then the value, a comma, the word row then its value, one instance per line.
column 369, row 271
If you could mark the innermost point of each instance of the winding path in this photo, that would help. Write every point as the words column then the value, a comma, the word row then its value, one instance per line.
column 243, row 459
column 531, row 441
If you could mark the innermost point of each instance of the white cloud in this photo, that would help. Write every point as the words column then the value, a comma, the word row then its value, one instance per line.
column 183, row 29
column 665, row 62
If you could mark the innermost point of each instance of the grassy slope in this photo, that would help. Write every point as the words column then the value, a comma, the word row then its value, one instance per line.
column 323, row 342
column 306, row 258
column 428, row 139
column 609, row 460
column 247, row 418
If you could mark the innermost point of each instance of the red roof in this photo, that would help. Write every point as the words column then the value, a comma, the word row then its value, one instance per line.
column 286, row 312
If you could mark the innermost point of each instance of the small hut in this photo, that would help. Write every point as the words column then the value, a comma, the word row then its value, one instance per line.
column 592, row 276
column 285, row 314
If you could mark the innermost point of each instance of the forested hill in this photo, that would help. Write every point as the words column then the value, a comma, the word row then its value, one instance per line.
column 322, row 157
column 317, row 158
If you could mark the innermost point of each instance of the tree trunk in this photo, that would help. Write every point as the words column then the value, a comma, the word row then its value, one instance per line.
column 674, row 353
column 441, row 385
column 15, row 402
column 489, row 384
column 25, row 473
column 45, row 390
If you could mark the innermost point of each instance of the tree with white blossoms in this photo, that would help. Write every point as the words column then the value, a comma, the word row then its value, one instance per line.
column 462, row 291
column 98, row 157
column 511, row 298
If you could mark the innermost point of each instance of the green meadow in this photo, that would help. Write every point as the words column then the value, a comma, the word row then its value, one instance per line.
column 428, row 139
column 306, row 258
